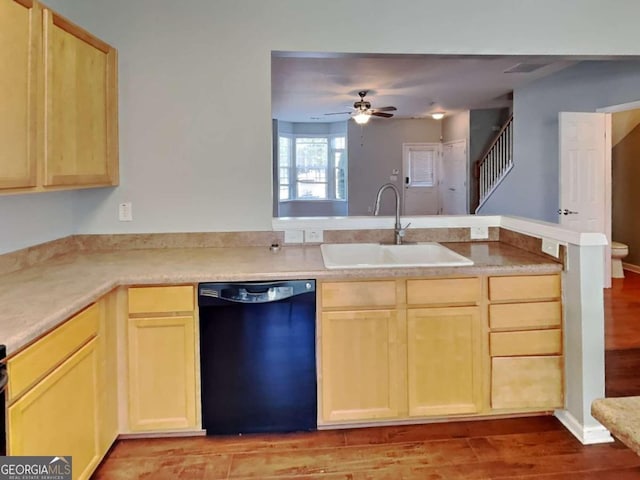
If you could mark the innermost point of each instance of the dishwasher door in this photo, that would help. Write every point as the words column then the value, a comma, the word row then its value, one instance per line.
column 258, row 356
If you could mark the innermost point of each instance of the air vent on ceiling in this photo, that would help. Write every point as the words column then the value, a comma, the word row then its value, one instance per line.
column 525, row 67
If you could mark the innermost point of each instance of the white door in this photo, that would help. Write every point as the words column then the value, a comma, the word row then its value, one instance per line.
column 453, row 178
column 585, row 175
column 420, row 165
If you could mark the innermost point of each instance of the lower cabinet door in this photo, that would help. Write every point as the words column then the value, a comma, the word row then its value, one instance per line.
column 444, row 361
column 526, row 382
column 162, row 382
column 59, row 416
column 360, row 365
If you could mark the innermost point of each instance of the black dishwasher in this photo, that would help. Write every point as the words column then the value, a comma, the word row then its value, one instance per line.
column 258, row 356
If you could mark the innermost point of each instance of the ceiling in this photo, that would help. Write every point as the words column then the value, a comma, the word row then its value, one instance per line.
column 306, row 86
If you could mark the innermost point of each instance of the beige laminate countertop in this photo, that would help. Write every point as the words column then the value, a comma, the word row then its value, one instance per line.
column 621, row 416
column 37, row 299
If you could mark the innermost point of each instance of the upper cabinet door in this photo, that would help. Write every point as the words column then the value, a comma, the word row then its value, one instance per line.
column 19, row 34
column 81, row 145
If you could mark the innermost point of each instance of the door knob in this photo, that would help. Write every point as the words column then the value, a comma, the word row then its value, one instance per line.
column 566, row 211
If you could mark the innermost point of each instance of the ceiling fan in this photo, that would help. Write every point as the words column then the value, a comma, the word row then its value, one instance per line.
column 363, row 111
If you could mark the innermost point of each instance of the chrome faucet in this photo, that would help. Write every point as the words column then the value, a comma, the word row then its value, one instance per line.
column 398, row 230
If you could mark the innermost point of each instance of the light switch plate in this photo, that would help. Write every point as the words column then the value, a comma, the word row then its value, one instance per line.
column 125, row 212
column 294, row 236
column 551, row 247
column 479, row 233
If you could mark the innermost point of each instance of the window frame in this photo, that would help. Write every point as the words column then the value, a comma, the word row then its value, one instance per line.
column 332, row 187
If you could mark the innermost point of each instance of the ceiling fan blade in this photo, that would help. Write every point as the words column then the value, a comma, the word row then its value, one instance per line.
column 338, row 113
column 385, row 109
column 382, row 114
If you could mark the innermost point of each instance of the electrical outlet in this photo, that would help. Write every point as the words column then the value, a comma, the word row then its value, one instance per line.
column 551, row 247
column 313, row 235
column 479, row 233
column 125, row 212
column 294, row 236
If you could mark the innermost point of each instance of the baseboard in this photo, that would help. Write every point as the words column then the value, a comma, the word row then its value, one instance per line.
column 588, row 435
column 631, row 267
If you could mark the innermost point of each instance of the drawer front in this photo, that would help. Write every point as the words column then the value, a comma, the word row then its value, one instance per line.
column 359, row 294
column 525, row 315
column 161, row 299
column 526, row 382
column 533, row 342
column 443, row 291
column 47, row 353
column 523, row 288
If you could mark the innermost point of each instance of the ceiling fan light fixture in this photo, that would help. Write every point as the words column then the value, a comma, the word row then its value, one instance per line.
column 361, row 118
column 437, row 115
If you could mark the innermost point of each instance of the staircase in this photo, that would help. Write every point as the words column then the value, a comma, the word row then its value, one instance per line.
column 495, row 164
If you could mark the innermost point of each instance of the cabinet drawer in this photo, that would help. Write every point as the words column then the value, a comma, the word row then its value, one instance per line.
column 443, row 291
column 532, row 287
column 533, row 342
column 161, row 299
column 47, row 353
column 359, row 294
column 526, row 382
column 525, row 315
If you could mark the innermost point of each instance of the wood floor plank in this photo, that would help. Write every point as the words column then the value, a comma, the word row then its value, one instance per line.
column 613, row 474
column 525, row 445
column 211, row 467
column 158, row 447
column 449, row 430
column 351, row 459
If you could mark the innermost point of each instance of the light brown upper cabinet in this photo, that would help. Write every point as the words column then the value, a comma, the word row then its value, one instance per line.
column 19, row 40
column 58, row 103
column 80, row 104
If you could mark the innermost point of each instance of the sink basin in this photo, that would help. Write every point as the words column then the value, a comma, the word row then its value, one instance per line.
column 373, row 255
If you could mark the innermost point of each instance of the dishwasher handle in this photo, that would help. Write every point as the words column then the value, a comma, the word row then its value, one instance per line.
column 211, row 294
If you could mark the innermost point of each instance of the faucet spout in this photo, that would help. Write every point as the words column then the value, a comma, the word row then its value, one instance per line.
column 399, row 231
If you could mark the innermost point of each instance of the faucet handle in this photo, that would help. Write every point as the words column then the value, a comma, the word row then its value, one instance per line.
column 403, row 230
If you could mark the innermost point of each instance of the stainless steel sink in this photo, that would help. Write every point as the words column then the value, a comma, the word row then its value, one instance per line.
column 374, row 255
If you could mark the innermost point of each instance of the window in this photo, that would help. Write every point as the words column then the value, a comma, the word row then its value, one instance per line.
column 421, row 167
column 312, row 167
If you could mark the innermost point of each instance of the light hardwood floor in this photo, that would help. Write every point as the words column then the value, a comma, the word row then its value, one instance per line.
column 536, row 448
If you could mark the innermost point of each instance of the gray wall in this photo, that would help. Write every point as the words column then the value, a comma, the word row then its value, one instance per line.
column 31, row 219
column 195, row 132
column 375, row 149
column 456, row 127
column 531, row 190
column 625, row 173
column 484, row 126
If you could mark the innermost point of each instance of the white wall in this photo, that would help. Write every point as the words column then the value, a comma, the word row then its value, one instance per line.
column 195, row 87
column 532, row 190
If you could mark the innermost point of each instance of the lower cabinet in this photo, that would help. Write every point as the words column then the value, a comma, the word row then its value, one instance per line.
column 60, row 415
column 60, row 410
column 444, row 361
column 360, row 365
column 401, row 349
column 161, row 373
column 525, row 321
column 162, row 359
column 395, row 355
